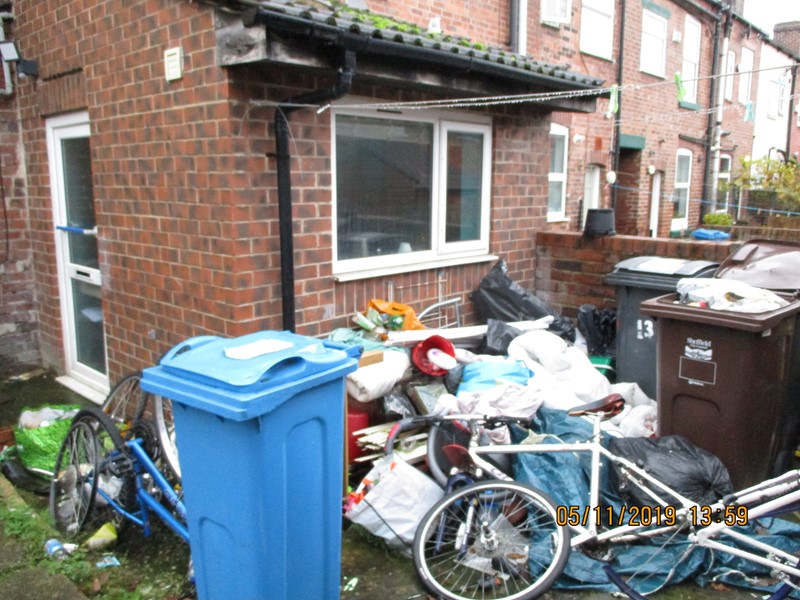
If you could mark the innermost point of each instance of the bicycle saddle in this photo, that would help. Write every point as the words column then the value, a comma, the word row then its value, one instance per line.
column 608, row 407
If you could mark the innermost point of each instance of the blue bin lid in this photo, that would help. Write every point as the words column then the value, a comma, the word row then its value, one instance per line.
column 251, row 362
column 244, row 377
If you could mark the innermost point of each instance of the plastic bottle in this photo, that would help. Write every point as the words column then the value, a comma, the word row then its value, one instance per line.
column 55, row 549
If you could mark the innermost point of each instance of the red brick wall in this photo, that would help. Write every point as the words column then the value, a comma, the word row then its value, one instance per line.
column 485, row 21
column 166, row 171
column 649, row 108
column 18, row 315
column 185, row 185
column 570, row 268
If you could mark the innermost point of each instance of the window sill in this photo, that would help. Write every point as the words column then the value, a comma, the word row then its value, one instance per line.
column 689, row 105
column 557, row 220
column 421, row 266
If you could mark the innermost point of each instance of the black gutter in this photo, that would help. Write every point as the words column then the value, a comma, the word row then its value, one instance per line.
column 463, row 60
column 284, row 172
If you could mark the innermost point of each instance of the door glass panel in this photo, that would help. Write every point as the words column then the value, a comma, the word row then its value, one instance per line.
column 90, row 342
column 79, row 198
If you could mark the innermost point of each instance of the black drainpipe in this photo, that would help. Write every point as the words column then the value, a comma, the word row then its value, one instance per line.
column 708, row 167
column 617, row 117
column 284, row 170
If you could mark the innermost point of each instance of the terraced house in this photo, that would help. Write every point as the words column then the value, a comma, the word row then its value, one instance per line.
column 173, row 168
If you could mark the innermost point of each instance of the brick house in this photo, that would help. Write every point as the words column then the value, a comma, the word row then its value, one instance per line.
column 669, row 151
column 787, row 36
column 217, row 167
column 153, row 194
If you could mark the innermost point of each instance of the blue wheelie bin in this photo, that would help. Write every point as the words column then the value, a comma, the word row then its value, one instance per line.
column 259, row 422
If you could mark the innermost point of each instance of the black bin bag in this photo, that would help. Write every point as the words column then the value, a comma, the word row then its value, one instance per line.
column 499, row 297
column 673, row 460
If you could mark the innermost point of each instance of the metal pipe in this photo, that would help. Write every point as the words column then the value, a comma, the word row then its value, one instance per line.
column 9, row 86
column 618, row 116
column 284, row 174
column 790, row 124
column 720, row 110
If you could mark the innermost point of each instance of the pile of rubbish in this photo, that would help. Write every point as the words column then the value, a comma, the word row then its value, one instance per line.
column 525, row 358
column 525, row 361
column 30, row 448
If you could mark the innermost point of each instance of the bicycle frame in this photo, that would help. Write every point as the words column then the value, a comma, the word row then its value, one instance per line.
column 147, row 502
column 760, row 500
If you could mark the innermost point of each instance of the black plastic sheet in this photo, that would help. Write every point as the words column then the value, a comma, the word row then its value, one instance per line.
column 499, row 297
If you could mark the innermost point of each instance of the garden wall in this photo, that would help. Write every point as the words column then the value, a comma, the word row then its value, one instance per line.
column 570, row 267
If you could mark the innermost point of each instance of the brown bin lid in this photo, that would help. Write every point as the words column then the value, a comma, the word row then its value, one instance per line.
column 766, row 264
column 669, row 307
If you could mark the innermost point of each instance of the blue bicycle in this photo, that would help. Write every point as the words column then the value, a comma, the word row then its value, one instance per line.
column 101, row 477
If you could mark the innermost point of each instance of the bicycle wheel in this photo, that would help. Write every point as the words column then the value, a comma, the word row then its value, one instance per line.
column 165, row 428
column 126, row 402
column 492, row 539
column 73, row 487
column 116, row 480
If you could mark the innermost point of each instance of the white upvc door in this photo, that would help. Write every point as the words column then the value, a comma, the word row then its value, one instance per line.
column 75, row 231
column 655, row 203
column 591, row 190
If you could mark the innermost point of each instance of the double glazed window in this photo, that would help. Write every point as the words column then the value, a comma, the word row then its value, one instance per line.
column 556, row 11
column 409, row 190
column 690, row 69
column 557, row 177
column 745, row 75
column 654, row 44
column 597, row 27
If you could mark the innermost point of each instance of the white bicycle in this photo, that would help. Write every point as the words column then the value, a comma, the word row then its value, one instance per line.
column 501, row 539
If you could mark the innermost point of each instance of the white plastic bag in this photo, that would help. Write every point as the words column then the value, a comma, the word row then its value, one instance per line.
column 391, row 501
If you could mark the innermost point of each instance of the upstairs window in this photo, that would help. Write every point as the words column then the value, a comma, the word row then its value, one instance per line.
column 409, row 190
column 556, row 11
column 724, row 183
column 654, row 44
column 745, row 75
column 730, row 68
column 597, row 28
column 690, row 69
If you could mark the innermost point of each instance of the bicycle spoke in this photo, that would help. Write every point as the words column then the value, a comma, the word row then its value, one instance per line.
column 491, row 540
column 73, row 487
column 165, row 428
column 126, row 402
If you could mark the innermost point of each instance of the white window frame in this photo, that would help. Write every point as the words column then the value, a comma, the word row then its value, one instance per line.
column 597, row 28
column 679, row 223
column 557, row 130
column 690, row 69
column 782, row 97
column 730, row 71
column 556, row 11
column 441, row 253
column 724, row 177
column 653, row 57
column 746, row 62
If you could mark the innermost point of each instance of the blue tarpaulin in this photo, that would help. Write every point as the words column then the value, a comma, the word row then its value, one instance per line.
column 655, row 563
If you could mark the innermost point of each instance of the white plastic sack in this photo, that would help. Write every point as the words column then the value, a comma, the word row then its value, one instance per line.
column 567, row 364
column 392, row 508
column 729, row 294
column 378, row 379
